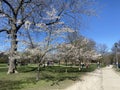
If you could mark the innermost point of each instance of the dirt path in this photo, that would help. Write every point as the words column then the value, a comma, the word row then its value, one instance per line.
column 101, row 79
column 111, row 80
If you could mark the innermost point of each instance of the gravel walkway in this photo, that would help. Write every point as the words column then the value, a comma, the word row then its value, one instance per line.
column 101, row 79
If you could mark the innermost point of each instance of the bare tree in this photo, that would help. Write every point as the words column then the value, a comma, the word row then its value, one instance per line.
column 116, row 52
column 103, row 50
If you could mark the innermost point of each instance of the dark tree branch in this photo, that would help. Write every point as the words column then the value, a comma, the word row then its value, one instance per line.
column 19, row 26
column 29, row 37
column 29, row 14
column 3, row 13
column 13, row 11
column 5, row 30
column 28, row 1
column 20, row 6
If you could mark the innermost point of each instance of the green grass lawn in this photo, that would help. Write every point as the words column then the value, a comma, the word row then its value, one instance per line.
column 52, row 77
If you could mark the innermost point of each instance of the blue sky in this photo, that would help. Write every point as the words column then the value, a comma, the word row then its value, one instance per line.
column 105, row 28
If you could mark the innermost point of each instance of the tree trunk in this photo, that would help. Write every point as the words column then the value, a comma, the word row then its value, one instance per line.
column 66, row 66
column 80, row 65
column 66, row 62
column 12, row 66
column 59, row 62
column 72, row 63
column 12, row 60
column 38, row 73
column 38, row 68
column 44, row 64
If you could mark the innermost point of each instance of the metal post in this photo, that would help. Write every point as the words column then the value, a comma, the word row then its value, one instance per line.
column 0, row 5
column 116, row 54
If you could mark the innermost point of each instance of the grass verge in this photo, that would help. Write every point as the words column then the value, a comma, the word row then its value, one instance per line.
column 52, row 77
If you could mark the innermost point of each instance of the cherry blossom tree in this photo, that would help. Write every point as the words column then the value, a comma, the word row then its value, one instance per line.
column 79, row 49
column 14, row 14
column 40, row 48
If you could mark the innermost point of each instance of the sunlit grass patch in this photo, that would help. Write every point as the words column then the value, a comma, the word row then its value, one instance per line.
column 54, row 77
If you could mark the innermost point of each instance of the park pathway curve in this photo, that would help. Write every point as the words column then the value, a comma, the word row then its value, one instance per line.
column 111, row 80
column 101, row 79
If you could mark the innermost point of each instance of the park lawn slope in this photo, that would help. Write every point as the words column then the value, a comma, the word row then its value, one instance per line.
column 52, row 77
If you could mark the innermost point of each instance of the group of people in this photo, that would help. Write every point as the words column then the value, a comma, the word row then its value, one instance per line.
column 98, row 64
column 50, row 63
column 84, row 65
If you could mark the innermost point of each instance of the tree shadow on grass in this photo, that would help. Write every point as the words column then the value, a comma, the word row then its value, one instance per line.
column 56, row 79
column 15, row 85
column 3, row 69
column 10, row 85
column 26, row 69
